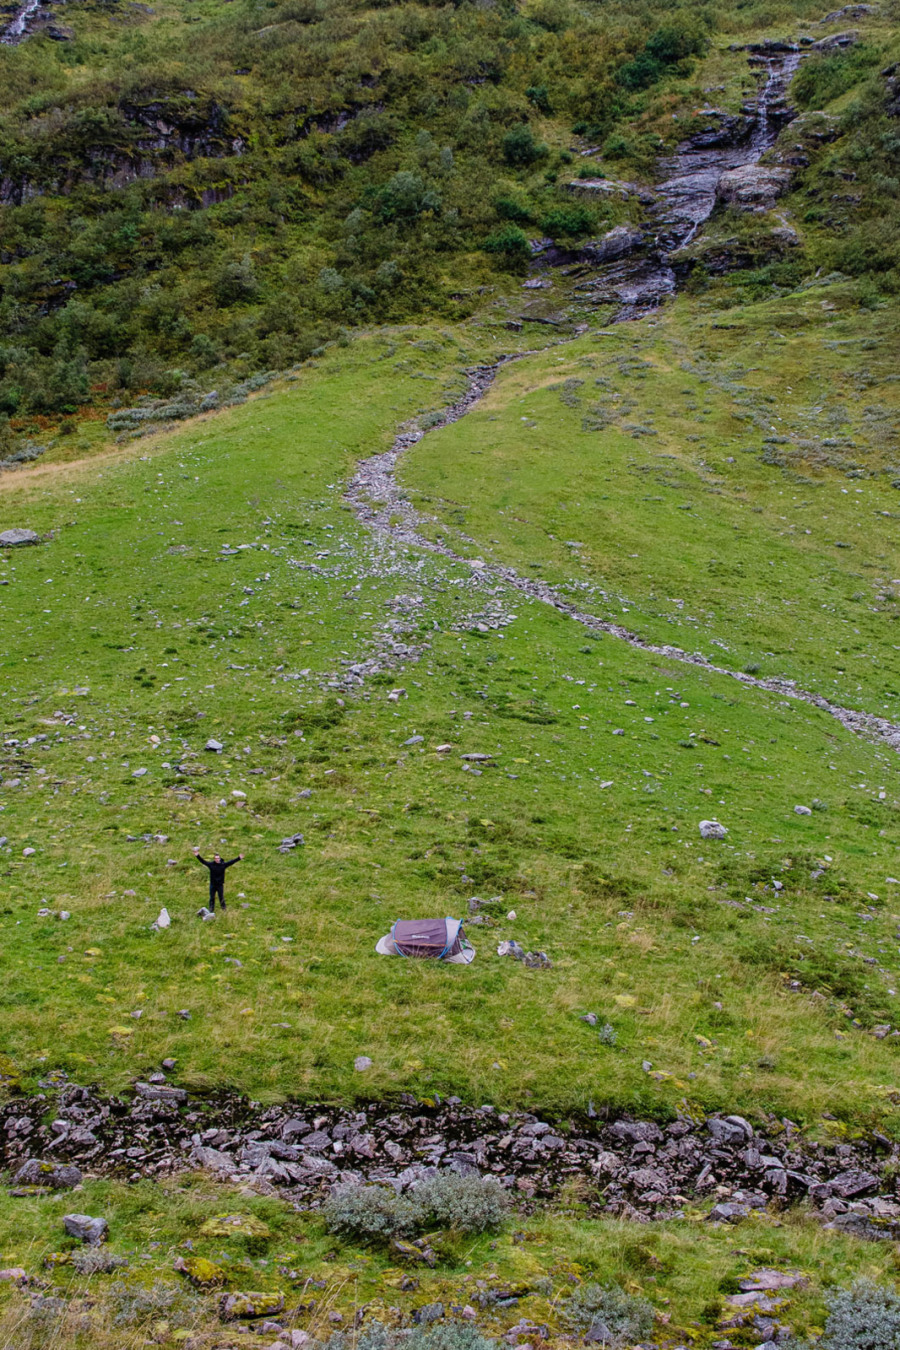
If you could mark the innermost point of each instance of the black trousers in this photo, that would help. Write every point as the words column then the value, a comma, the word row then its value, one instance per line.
column 216, row 888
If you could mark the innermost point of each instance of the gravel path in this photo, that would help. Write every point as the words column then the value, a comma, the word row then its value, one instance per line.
column 381, row 505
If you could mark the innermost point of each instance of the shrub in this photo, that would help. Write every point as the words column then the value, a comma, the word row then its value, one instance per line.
column 447, row 1336
column 570, row 220
column 236, row 283
column 511, row 247
column 863, row 1317
column 137, row 1303
column 470, row 1204
column 443, row 1336
column 355, row 1210
column 97, row 1261
column 508, row 208
column 520, row 148
column 614, row 1317
column 675, row 41
column 405, row 197
column 666, row 47
column 640, row 73
column 538, row 94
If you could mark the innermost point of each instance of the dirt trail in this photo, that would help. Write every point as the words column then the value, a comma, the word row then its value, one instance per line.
column 381, row 505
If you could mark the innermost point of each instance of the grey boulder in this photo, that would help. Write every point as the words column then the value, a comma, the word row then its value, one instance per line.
column 753, row 187
column 36, row 1172
column 616, row 243
column 711, row 829
column 86, row 1229
column 17, row 538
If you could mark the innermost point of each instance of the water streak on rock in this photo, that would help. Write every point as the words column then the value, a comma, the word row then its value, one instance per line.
column 17, row 28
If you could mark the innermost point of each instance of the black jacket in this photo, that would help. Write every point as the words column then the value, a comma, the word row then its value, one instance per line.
column 216, row 869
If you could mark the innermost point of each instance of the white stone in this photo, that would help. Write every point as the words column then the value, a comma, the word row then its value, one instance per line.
column 711, row 829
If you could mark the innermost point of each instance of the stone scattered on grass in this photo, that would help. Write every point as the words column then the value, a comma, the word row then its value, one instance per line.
column 290, row 842
column 712, row 829
column 18, row 538
column 87, row 1229
column 250, row 1305
column 361, row 1063
column 36, row 1172
column 160, row 1092
column 412, row 1253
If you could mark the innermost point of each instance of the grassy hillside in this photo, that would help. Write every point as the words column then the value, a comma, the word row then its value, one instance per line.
column 194, row 192
column 722, row 480
column 310, row 223
column 225, row 552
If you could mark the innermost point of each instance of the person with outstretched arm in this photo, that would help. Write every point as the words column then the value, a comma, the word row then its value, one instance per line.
column 216, row 876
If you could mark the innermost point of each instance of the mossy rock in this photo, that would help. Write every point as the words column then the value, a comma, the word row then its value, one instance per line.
column 203, row 1274
column 54, row 1259
column 250, row 1304
column 235, row 1225
column 9, row 1073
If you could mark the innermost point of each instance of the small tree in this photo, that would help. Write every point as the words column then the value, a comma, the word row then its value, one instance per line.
column 510, row 247
column 520, row 148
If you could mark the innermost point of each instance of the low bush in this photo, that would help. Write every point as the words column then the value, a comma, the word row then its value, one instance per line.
column 361, row 1211
column 443, row 1336
column 863, row 1317
column 97, row 1261
column 521, row 148
column 469, row 1204
column 569, row 220
column 136, row 1304
column 510, row 246
column 613, row 1317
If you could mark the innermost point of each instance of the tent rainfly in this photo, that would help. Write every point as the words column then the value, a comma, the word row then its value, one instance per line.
column 428, row 939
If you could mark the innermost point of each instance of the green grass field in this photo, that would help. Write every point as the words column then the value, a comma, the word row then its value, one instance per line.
column 169, row 607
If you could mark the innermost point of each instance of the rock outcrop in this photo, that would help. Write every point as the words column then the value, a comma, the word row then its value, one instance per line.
column 753, row 187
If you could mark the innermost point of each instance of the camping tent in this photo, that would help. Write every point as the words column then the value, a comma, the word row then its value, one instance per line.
column 428, row 939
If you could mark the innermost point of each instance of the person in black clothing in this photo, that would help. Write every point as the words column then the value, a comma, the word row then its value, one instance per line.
column 216, row 876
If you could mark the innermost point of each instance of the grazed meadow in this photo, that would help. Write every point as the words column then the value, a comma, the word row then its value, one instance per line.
column 225, row 552
column 719, row 476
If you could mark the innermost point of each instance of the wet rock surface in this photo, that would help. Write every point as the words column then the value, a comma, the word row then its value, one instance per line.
column 753, row 187
column 719, row 163
column 639, row 1169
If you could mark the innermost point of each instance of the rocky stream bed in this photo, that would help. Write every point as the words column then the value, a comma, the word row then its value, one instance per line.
column 636, row 269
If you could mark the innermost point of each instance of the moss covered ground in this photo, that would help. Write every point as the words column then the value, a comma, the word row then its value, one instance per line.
column 685, row 1268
